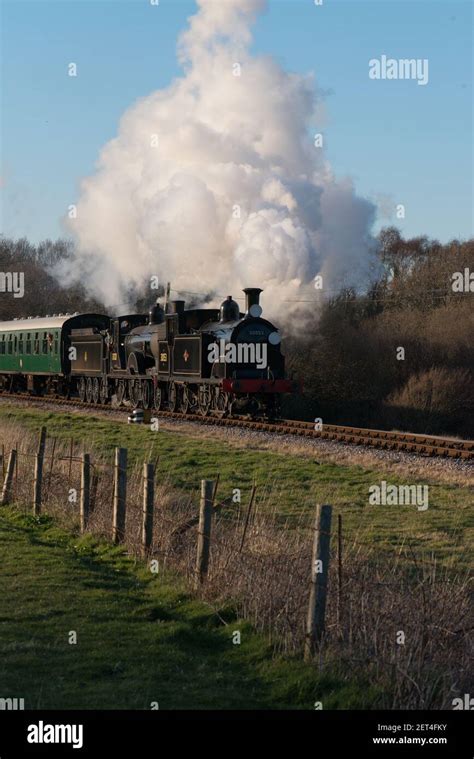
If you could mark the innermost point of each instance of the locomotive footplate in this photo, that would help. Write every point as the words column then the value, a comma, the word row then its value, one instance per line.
column 259, row 386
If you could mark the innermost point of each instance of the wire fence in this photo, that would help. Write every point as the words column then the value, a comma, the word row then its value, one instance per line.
column 401, row 622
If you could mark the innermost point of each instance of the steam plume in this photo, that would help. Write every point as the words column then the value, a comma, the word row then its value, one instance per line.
column 214, row 183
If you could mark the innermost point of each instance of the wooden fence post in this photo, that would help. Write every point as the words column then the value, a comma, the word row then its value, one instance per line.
column 85, row 490
column 39, row 461
column 319, row 580
column 37, row 484
column 120, row 495
column 8, row 482
column 147, row 516
column 42, row 442
column 339, row 572
column 204, row 531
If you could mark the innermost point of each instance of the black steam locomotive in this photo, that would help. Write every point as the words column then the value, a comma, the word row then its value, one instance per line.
column 207, row 361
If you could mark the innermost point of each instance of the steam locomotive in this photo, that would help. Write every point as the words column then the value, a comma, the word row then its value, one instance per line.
column 206, row 361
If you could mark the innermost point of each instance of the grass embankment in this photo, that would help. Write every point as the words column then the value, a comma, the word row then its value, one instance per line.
column 289, row 484
column 140, row 638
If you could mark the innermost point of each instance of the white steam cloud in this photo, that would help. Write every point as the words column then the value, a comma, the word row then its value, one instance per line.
column 215, row 183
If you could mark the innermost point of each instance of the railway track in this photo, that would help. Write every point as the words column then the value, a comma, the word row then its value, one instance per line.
column 425, row 445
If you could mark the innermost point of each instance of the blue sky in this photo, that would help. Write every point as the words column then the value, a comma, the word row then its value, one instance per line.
column 399, row 141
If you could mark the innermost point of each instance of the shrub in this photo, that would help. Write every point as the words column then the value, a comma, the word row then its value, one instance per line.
column 436, row 400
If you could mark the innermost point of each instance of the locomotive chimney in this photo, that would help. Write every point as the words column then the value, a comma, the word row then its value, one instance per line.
column 252, row 298
column 177, row 306
column 156, row 314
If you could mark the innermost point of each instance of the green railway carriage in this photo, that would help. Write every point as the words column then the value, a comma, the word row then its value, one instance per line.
column 34, row 352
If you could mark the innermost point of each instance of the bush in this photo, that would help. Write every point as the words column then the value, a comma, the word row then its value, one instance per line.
column 436, row 400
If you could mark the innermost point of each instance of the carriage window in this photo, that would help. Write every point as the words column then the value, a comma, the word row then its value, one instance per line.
column 56, row 342
column 45, row 342
column 20, row 343
column 2, row 345
column 28, row 343
column 10, row 344
column 36, row 344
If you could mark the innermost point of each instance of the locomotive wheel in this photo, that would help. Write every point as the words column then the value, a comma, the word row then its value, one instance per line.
column 204, row 400
column 121, row 391
column 157, row 398
column 95, row 390
column 104, row 391
column 275, row 409
column 146, row 394
column 89, row 390
column 172, row 397
column 132, row 392
column 81, row 389
column 221, row 402
column 184, row 401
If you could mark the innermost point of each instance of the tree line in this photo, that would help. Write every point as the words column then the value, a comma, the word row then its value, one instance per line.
column 44, row 294
column 350, row 359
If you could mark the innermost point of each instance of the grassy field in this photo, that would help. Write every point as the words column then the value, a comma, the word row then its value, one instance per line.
column 139, row 639
column 144, row 638
column 289, row 484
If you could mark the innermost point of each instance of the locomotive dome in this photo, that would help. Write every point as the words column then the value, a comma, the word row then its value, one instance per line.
column 229, row 310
